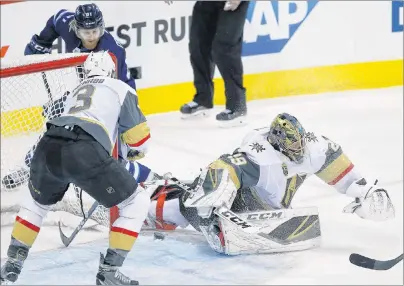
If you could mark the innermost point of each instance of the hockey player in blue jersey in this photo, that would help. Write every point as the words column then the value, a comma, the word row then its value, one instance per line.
column 83, row 31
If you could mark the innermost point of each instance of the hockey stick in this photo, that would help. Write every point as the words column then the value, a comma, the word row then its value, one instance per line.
column 366, row 262
column 67, row 240
column 182, row 185
column 46, row 83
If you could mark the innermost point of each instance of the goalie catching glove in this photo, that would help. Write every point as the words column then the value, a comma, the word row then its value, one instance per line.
column 371, row 202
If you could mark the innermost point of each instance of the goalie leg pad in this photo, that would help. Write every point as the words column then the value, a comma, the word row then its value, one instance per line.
column 269, row 231
column 191, row 214
column 215, row 188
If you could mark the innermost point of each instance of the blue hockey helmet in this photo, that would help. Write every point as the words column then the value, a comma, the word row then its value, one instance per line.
column 88, row 16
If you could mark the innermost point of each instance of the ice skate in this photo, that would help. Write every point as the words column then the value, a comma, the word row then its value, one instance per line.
column 12, row 268
column 110, row 275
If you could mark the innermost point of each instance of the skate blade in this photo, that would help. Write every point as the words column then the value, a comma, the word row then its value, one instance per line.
column 196, row 115
column 237, row 122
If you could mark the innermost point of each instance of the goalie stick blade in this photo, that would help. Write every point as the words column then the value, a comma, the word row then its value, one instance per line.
column 369, row 263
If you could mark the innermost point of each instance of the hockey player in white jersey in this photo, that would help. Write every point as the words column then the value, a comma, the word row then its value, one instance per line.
column 242, row 201
column 82, row 31
column 76, row 148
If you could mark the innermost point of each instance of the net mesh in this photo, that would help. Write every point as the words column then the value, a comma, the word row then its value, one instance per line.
column 33, row 89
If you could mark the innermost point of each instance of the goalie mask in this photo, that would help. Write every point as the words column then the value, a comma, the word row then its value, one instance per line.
column 288, row 136
column 99, row 64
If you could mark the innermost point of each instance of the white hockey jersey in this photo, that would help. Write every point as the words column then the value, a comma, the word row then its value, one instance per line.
column 274, row 178
column 105, row 107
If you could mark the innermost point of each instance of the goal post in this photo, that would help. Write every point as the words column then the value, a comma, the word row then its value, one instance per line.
column 31, row 87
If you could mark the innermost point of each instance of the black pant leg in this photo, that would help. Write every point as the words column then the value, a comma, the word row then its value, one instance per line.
column 47, row 183
column 226, row 49
column 88, row 165
column 203, row 25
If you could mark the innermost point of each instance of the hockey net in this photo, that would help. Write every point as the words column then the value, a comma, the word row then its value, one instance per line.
column 32, row 87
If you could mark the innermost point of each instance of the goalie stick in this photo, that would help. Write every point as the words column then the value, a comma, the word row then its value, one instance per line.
column 374, row 264
column 67, row 240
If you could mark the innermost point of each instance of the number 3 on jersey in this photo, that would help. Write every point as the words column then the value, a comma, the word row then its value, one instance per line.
column 83, row 99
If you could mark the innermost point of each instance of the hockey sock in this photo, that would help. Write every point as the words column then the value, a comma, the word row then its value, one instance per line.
column 132, row 213
column 29, row 221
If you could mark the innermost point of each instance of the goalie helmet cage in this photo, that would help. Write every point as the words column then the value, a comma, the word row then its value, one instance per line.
column 27, row 84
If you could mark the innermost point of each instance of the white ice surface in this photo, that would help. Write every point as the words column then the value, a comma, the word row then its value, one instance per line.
column 369, row 126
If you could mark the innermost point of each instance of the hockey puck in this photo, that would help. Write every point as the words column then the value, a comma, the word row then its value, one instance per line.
column 159, row 235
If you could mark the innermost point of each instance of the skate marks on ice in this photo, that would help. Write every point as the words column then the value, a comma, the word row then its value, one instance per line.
column 179, row 259
column 184, row 258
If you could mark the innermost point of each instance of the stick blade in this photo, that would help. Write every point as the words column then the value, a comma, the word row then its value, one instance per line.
column 65, row 240
column 362, row 261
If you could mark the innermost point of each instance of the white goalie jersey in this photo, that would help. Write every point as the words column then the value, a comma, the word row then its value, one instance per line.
column 275, row 179
column 252, row 189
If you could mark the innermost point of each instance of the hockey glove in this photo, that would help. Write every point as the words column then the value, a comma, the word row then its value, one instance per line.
column 134, row 155
column 371, row 202
column 34, row 47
